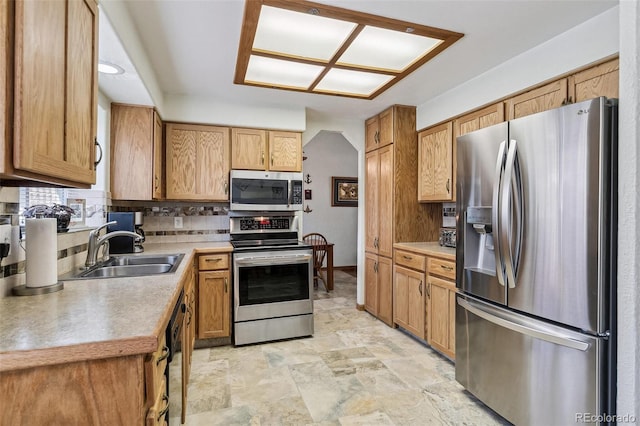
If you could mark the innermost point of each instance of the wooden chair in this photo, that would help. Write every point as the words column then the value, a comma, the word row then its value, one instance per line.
column 319, row 244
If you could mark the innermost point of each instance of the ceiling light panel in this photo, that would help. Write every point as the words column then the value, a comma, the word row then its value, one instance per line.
column 319, row 48
column 349, row 82
column 300, row 35
column 276, row 72
column 380, row 48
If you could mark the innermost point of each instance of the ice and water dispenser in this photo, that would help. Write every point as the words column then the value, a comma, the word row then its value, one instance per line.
column 479, row 253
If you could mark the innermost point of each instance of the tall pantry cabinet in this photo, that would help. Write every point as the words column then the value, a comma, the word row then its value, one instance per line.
column 392, row 211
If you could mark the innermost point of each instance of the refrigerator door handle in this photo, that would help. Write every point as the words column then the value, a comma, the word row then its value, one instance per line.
column 512, row 186
column 495, row 219
column 529, row 329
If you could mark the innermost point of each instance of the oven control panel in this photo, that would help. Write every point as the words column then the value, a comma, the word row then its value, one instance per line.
column 261, row 224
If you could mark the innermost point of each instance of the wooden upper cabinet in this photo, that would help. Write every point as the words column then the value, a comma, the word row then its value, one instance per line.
column 285, row 151
column 197, row 162
column 601, row 80
column 549, row 96
column 254, row 149
column 55, row 91
column 379, row 130
column 435, row 163
column 249, row 148
column 136, row 153
column 478, row 119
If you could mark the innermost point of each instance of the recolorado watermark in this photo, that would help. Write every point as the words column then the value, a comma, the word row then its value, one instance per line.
column 605, row 418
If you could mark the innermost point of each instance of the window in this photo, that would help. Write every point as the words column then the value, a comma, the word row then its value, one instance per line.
column 30, row 196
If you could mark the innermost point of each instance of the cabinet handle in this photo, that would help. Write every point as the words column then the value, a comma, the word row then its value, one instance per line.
column 155, row 180
column 375, row 267
column 407, row 257
column 162, row 412
column 375, row 242
column 448, row 180
column 165, row 355
column 226, row 187
column 429, row 290
column 447, row 268
column 272, row 159
column 95, row 163
column 216, row 259
column 262, row 158
column 420, row 288
column 226, row 282
column 376, row 137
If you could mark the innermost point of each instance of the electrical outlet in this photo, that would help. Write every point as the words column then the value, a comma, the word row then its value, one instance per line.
column 177, row 222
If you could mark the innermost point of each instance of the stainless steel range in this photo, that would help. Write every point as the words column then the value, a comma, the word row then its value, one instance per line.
column 272, row 278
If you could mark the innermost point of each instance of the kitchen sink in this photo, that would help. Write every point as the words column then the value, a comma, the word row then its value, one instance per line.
column 131, row 265
column 126, row 260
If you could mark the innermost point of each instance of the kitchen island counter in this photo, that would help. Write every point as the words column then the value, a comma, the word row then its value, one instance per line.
column 95, row 318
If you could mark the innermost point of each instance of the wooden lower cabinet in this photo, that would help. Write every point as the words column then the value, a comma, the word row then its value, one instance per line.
column 441, row 308
column 98, row 392
column 214, row 297
column 378, row 292
column 441, row 305
column 409, row 300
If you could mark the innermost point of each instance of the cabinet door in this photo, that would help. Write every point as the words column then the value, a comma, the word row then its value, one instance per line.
column 435, row 163
column 601, row 80
column 372, row 133
column 213, row 304
column 385, row 290
column 452, row 323
column 132, row 153
column 158, row 164
column 372, row 170
column 552, row 95
column 371, row 283
column 409, row 301
column 56, row 89
column 385, row 127
column 440, row 314
column 197, row 162
column 285, row 151
column 248, row 149
column 479, row 119
column 385, row 202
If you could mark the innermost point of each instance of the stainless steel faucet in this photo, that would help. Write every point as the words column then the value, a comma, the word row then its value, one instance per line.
column 95, row 242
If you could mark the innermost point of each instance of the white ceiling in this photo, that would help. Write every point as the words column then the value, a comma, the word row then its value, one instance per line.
column 192, row 47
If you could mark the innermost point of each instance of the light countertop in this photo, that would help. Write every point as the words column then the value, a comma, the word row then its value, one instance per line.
column 429, row 249
column 94, row 318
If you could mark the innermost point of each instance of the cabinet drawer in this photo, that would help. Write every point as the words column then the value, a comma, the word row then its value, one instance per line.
column 156, row 414
column 443, row 268
column 155, row 369
column 210, row 262
column 410, row 260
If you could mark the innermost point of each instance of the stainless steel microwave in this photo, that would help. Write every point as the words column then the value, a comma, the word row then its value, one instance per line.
column 266, row 191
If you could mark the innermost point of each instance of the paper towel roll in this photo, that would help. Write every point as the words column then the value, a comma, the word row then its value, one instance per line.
column 41, row 252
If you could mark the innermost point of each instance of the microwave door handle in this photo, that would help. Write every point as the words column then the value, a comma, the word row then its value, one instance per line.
column 290, row 199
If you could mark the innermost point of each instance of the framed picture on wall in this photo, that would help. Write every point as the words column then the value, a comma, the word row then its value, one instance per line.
column 344, row 191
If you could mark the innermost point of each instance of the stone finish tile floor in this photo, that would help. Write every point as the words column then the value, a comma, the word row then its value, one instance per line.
column 355, row 370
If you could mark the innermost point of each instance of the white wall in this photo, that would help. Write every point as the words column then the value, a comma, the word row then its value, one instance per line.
column 629, row 213
column 330, row 154
column 589, row 42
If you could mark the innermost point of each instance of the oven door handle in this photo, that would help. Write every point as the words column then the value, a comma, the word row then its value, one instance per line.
column 273, row 260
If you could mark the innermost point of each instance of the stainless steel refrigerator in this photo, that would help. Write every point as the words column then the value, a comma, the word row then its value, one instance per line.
column 536, row 251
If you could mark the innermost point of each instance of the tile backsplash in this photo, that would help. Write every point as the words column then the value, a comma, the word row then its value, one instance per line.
column 201, row 222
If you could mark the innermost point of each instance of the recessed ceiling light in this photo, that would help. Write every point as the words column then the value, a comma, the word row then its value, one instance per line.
column 109, row 68
column 316, row 48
